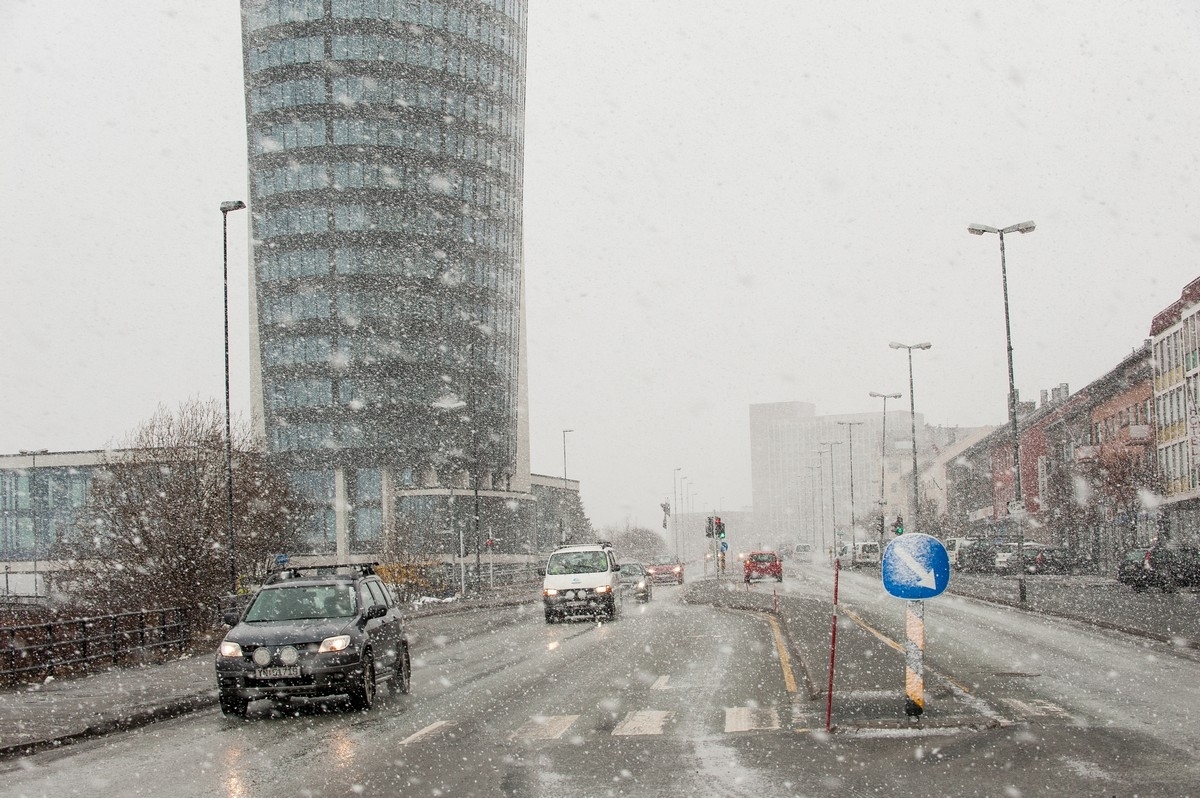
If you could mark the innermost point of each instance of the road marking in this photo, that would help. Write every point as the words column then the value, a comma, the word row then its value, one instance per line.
column 660, row 683
column 1036, row 708
column 423, row 733
column 789, row 679
column 544, row 727
column 642, row 723
column 743, row 719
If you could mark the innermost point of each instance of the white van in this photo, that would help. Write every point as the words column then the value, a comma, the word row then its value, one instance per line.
column 954, row 547
column 866, row 554
column 582, row 580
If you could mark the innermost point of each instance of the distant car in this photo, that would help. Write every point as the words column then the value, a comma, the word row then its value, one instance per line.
column 314, row 632
column 762, row 565
column 665, row 569
column 636, row 582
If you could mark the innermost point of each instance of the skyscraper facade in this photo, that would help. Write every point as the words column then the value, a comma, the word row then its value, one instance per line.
column 385, row 143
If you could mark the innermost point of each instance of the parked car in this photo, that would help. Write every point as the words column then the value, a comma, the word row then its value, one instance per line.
column 665, row 569
column 1172, row 566
column 763, row 565
column 979, row 557
column 1134, row 570
column 314, row 632
column 636, row 582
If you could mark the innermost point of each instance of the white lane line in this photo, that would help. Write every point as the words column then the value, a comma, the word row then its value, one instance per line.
column 742, row 719
column 660, row 683
column 423, row 733
column 641, row 723
column 544, row 727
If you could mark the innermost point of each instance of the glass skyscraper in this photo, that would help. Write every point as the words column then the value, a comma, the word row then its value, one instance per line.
column 385, row 146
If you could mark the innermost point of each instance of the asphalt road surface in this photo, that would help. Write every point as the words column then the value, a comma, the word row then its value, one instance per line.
column 699, row 693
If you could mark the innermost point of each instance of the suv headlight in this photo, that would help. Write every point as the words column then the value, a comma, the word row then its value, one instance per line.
column 335, row 643
column 230, row 649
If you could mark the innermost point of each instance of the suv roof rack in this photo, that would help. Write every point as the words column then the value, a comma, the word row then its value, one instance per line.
column 331, row 569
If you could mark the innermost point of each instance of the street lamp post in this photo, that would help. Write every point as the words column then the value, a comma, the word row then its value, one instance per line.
column 978, row 230
column 562, row 526
column 883, row 462
column 850, row 425
column 912, row 415
column 226, row 207
column 833, row 494
column 675, row 510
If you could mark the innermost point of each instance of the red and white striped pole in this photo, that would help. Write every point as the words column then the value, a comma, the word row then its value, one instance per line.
column 914, row 657
column 837, row 566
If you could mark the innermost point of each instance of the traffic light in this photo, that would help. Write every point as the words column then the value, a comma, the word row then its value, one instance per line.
column 898, row 526
column 709, row 528
column 719, row 526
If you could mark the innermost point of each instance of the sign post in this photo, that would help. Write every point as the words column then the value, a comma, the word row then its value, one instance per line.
column 915, row 567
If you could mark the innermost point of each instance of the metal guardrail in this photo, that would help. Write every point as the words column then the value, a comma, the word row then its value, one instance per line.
column 79, row 645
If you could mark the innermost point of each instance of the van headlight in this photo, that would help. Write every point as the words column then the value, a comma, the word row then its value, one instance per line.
column 549, row 592
column 604, row 589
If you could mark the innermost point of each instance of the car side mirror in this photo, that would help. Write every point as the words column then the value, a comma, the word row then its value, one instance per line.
column 231, row 617
column 618, row 569
column 541, row 571
column 376, row 611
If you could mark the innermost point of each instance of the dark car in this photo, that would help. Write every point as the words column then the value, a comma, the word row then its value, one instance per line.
column 979, row 557
column 1171, row 566
column 314, row 632
column 1134, row 570
column 636, row 582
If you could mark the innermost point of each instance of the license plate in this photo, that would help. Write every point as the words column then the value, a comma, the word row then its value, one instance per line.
column 290, row 672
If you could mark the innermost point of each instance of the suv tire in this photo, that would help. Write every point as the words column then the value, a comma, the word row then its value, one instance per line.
column 401, row 681
column 362, row 695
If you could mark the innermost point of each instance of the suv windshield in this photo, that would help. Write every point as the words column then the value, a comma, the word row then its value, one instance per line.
column 302, row 602
column 577, row 562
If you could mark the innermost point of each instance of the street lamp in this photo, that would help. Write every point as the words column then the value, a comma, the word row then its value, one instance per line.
column 850, row 425
column 675, row 509
column 912, row 414
column 883, row 461
column 562, row 526
column 226, row 207
column 978, row 230
column 832, row 494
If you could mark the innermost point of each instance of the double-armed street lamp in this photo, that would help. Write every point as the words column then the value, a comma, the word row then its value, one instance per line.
column 675, row 510
column 832, row 493
column 850, row 425
column 226, row 208
column 1018, row 502
column 912, row 413
column 883, row 460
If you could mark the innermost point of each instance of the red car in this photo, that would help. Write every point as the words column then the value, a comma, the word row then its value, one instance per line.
column 665, row 568
column 763, row 565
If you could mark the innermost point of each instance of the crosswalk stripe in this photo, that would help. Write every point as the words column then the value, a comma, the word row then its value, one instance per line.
column 741, row 719
column 660, row 683
column 544, row 727
column 642, row 723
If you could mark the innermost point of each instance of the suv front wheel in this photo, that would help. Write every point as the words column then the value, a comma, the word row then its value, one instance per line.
column 232, row 704
column 362, row 695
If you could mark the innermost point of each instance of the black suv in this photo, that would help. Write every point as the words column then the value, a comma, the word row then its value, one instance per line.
column 311, row 632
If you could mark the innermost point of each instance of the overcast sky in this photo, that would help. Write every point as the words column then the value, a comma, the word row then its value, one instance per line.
column 726, row 203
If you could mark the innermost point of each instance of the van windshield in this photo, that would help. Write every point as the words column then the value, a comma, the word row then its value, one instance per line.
column 577, row 562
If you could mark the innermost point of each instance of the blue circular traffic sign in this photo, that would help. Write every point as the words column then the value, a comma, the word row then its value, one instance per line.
column 915, row 566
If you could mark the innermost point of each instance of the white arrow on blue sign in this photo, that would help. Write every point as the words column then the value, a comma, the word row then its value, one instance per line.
column 915, row 566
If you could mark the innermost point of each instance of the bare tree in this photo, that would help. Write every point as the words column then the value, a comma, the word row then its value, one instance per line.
column 154, row 533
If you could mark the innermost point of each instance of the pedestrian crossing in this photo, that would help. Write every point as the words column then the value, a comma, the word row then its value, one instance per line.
column 735, row 721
